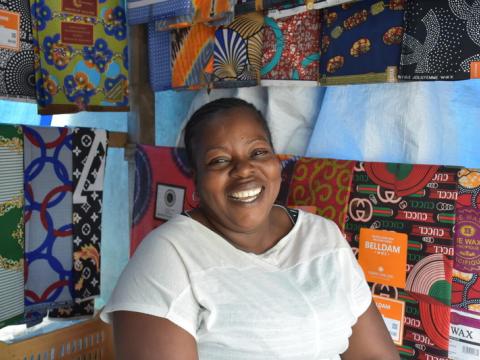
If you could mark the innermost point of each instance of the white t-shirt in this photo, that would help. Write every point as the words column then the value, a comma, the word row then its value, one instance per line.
column 298, row 300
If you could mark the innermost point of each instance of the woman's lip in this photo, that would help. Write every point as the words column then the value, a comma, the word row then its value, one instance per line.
column 247, row 195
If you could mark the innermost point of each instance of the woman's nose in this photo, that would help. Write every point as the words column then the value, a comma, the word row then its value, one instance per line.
column 242, row 168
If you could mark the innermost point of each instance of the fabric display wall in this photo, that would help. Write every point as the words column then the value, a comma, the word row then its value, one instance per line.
column 81, row 59
column 11, row 225
column 63, row 189
column 17, row 76
column 395, row 216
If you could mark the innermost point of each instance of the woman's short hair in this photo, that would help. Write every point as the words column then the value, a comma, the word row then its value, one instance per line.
column 208, row 111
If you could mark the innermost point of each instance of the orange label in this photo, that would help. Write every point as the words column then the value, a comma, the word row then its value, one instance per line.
column 383, row 256
column 9, row 30
column 308, row 208
column 392, row 312
column 475, row 70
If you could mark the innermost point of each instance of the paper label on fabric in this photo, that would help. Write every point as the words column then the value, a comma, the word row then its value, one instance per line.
column 467, row 240
column 169, row 201
column 475, row 70
column 377, row 8
column 81, row 7
column 383, row 256
column 77, row 34
column 464, row 341
column 9, row 30
column 393, row 312
column 392, row 73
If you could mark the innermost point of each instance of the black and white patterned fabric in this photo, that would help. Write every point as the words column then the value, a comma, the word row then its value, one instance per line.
column 441, row 40
column 17, row 77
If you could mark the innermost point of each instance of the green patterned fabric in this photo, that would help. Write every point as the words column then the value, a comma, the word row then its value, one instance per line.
column 82, row 55
column 12, row 236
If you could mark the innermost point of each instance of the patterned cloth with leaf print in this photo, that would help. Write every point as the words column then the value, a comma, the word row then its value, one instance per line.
column 12, row 238
column 81, row 55
column 238, row 52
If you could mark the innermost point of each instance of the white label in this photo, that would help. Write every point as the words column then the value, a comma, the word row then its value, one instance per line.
column 464, row 337
column 169, row 201
column 8, row 38
column 393, row 327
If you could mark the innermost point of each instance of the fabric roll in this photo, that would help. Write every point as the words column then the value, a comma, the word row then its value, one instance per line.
column 192, row 56
column 291, row 47
column 12, row 236
column 417, row 200
column 168, row 14
column 238, row 52
column 324, row 184
column 81, row 57
column 246, row 6
column 17, row 75
column 48, row 218
column 361, row 42
column 441, row 40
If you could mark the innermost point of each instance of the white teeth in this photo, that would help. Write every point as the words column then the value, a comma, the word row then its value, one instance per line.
column 246, row 195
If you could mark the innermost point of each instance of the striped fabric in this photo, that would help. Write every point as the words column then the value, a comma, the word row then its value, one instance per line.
column 11, row 225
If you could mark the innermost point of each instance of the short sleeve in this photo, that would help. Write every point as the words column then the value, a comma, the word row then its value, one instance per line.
column 156, row 282
column 355, row 284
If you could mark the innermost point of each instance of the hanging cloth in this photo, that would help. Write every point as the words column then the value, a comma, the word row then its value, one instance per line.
column 11, row 225
column 238, row 52
column 82, row 56
column 291, row 48
column 48, row 218
column 361, row 42
column 17, row 75
column 442, row 40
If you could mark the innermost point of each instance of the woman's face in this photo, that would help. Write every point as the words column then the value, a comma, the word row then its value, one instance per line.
column 238, row 175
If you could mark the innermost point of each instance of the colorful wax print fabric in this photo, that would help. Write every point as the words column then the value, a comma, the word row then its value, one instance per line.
column 467, row 240
column 464, row 336
column 291, row 47
column 48, row 217
column 425, row 325
column 238, row 52
column 179, row 13
column 75, row 310
column 12, row 236
column 469, row 188
column 82, row 56
column 324, row 184
column 417, row 200
column 192, row 56
column 361, row 42
column 163, row 188
column 441, row 39
column 17, row 75
column 159, row 59
column 466, row 291
column 245, row 6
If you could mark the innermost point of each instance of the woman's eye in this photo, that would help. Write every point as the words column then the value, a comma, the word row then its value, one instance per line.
column 218, row 161
column 259, row 152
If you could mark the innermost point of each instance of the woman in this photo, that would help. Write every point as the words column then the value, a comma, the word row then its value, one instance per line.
column 239, row 277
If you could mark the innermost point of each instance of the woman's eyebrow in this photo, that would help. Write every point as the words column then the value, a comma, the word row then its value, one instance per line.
column 257, row 138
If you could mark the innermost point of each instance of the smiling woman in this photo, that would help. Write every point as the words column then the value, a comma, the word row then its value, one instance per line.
column 239, row 277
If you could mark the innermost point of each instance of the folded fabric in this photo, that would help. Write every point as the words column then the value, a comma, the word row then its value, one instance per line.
column 192, row 56
column 159, row 58
column 324, row 184
column 416, row 200
column 469, row 188
column 82, row 56
column 179, row 13
column 238, row 52
column 464, row 336
column 361, row 42
column 246, row 6
column 12, row 237
column 466, row 291
column 48, row 218
column 291, row 47
column 17, row 75
column 441, row 40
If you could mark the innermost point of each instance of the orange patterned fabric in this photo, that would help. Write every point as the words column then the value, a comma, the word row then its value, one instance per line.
column 323, row 183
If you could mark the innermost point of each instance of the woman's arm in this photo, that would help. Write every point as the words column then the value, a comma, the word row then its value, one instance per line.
column 145, row 337
column 370, row 339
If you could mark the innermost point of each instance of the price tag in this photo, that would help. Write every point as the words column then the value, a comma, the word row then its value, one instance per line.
column 9, row 30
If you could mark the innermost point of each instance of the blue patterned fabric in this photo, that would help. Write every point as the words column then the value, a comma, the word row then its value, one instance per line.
column 143, row 11
column 159, row 49
column 361, row 42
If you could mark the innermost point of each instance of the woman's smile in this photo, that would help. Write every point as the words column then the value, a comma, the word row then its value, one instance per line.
column 246, row 196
